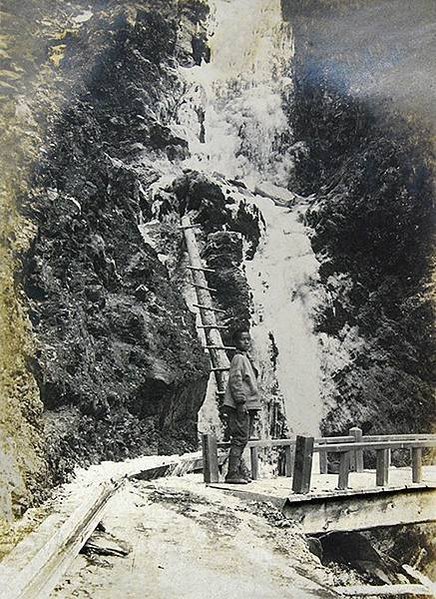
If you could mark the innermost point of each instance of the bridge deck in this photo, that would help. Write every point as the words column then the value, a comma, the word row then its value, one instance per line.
column 363, row 505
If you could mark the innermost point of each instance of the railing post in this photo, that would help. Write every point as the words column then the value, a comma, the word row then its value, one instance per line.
column 416, row 464
column 303, row 464
column 210, row 458
column 254, row 462
column 382, row 472
column 344, row 469
column 356, row 458
column 323, row 463
column 289, row 459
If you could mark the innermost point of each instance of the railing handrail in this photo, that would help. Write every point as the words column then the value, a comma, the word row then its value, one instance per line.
column 288, row 442
column 399, row 437
column 374, row 445
column 328, row 441
column 298, row 453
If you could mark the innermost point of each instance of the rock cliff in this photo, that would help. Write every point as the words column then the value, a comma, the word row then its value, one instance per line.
column 102, row 357
column 363, row 118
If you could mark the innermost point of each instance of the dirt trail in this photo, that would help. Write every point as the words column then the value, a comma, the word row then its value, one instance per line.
column 189, row 541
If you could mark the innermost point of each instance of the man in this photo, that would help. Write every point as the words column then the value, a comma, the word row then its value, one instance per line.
column 241, row 403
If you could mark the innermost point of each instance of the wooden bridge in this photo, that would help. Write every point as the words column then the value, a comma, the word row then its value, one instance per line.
column 354, row 498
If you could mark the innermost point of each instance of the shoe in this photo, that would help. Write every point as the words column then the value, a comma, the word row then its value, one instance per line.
column 245, row 472
column 236, row 480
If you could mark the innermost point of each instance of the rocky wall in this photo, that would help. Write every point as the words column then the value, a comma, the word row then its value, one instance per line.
column 362, row 116
column 100, row 356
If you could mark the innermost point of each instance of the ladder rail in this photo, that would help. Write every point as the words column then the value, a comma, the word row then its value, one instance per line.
column 212, row 330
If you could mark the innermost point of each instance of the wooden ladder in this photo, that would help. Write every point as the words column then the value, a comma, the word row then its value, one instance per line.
column 214, row 343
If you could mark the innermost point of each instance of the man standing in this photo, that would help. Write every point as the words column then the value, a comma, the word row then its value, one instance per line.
column 241, row 403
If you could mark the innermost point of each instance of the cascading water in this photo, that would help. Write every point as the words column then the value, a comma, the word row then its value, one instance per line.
column 240, row 94
column 233, row 117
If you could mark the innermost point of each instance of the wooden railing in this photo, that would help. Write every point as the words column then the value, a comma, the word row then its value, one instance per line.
column 299, row 451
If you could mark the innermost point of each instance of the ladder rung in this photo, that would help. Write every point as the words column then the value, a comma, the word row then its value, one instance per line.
column 220, row 392
column 220, row 368
column 202, row 268
column 226, row 347
column 189, row 227
column 211, row 326
column 210, row 289
column 207, row 308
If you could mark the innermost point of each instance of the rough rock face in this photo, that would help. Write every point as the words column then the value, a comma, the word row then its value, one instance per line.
column 116, row 341
column 228, row 233
column 368, row 159
column 112, row 345
column 373, row 229
column 110, row 365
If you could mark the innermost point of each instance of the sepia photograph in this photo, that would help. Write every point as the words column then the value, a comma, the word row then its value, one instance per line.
column 217, row 299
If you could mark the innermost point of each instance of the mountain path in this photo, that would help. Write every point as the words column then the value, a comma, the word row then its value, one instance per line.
column 190, row 541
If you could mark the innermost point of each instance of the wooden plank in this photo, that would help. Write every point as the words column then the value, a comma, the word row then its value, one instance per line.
column 344, row 470
column 226, row 347
column 205, row 287
column 44, row 569
column 193, row 226
column 382, row 468
column 289, row 460
column 291, row 441
column 386, row 590
column 344, row 494
column 243, row 491
column 387, row 464
column 210, row 308
column 338, row 444
column 323, row 462
column 356, row 458
column 361, row 510
column 303, row 464
column 200, row 268
column 417, row 464
column 337, row 448
column 37, row 564
column 419, row 577
column 329, row 440
column 153, row 473
column 401, row 437
column 210, row 458
column 254, row 461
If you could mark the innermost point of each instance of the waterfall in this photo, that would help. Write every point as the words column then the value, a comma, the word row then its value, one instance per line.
column 240, row 93
column 233, row 118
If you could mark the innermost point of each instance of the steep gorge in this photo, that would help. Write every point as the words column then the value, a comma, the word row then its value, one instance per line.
column 136, row 113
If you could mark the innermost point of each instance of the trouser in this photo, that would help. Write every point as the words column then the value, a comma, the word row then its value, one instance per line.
column 240, row 428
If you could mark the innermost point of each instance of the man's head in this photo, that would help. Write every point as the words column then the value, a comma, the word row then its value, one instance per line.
column 242, row 339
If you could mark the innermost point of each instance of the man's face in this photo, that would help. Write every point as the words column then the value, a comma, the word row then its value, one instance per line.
column 244, row 342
